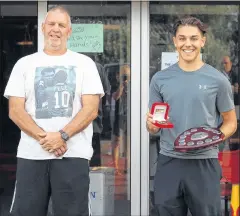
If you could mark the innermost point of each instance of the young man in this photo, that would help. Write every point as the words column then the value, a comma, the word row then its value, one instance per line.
column 198, row 95
column 53, row 98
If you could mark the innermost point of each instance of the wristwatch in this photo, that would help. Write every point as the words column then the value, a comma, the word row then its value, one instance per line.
column 64, row 135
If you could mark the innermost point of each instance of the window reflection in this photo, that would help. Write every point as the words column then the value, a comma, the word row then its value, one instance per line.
column 120, row 95
column 221, row 52
column 111, row 142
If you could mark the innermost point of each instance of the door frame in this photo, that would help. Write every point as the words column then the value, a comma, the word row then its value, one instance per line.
column 145, row 81
column 135, row 119
column 145, row 41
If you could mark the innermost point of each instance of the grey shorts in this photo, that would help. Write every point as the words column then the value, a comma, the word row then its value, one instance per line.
column 187, row 184
column 65, row 180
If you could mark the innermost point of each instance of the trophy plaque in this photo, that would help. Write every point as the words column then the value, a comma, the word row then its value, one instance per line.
column 198, row 138
column 160, row 115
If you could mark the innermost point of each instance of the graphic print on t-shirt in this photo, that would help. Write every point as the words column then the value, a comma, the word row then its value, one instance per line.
column 54, row 91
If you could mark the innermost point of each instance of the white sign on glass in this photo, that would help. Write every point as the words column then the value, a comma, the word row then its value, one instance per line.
column 169, row 58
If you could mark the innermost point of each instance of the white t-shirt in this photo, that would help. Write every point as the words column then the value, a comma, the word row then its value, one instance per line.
column 52, row 87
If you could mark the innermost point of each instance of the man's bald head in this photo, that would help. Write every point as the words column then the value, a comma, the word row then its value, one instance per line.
column 227, row 64
column 62, row 10
column 56, row 29
column 226, row 58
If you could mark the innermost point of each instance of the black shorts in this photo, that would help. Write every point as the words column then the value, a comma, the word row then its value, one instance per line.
column 182, row 184
column 65, row 180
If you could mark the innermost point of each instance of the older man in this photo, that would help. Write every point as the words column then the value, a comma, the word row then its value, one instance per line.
column 56, row 135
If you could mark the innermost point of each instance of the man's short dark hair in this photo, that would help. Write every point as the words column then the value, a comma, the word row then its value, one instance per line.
column 191, row 21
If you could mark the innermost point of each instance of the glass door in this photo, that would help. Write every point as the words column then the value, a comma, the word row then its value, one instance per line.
column 18, row 23
column 102, row 31
column 222, row 52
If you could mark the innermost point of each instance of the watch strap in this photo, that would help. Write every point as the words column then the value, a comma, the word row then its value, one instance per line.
column 64, row 135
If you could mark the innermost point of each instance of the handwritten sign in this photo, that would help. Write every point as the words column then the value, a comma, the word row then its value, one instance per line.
column 86, row 38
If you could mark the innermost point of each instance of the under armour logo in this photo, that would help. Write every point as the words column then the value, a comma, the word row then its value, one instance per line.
column 203, row 87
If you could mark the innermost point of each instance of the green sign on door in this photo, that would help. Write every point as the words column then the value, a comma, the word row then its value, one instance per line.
column 86, row 38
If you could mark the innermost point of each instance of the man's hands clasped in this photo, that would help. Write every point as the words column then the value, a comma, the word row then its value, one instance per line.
column 53, row 143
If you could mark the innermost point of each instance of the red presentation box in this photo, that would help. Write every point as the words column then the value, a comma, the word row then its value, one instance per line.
column 160, row 115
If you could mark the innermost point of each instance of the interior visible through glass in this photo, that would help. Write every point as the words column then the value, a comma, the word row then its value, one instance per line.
column 101, row 30
column 221, row 51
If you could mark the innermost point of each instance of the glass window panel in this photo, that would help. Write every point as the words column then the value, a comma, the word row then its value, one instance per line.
column 18, row 23
column 111, row 139
column 222, row 41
